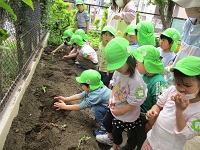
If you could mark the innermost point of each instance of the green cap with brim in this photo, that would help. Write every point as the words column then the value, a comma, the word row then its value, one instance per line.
column 67, row 33
column 76, row 39
column 189, row 66
column 81, row 32
column 145, row 33
column 109, row 29
column 91, row 77
column 117, row 52
column 151, row 57
column 174, row 35
column 79, row 2
column 131, row 29
column 137, row 55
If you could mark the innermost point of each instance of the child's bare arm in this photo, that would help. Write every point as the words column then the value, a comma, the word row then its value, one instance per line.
column 68, row 99
column 70, row 56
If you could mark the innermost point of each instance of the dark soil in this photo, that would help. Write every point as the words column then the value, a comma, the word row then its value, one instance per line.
column 38, row 125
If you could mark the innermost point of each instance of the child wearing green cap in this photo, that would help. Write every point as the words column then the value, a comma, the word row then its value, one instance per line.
column 145, row 33
column 177, row 109
column 168, row 44
column 82, row 17
column 128, row 93
column 85, row 55
column 131, row 36
column 84, row 36
column 94, row 96
column 67, row 34
column 107, row 34
column 151, row 68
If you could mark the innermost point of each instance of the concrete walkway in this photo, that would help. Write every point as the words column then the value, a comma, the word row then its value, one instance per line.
column 193, row 144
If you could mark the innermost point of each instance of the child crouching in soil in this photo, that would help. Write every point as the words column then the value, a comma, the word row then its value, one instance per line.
column 95, row 96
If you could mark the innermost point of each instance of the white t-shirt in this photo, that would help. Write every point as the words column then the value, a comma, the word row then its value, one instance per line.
column 128, row 90
column 164, row 134
column 89, row 51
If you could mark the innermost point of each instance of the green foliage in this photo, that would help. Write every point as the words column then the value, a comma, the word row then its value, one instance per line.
column 59, row 19
column 138, row 17
column 158, row 2
column 29, row 3
column 104, row 18
column 4, row 34
column 96, row 23
column 94, row 36
column 83, row 140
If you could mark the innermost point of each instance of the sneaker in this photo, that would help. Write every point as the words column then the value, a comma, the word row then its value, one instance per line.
column 113, row 149
column 104, row 139
column 99, row 131
column 76, row 62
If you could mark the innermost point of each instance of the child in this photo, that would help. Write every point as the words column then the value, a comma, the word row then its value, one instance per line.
column 151, row 69
column 131, row 36
column 128, row 93
column 66, row 35
column 124, row 17
column 94, row 96
column 145, row 33
column 168, row 44
column 81, row 32
column 82, row 17
column 86, row 56
column 84, row 36
column 177, row 109
column 107, row 34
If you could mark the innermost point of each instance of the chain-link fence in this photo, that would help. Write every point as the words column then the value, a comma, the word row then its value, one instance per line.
column 25, row 34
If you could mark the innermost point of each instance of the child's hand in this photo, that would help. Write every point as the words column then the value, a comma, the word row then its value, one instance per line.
column 52, row 52
column 116, row 111
column 65, row 57
column 59, row 98
column 116, row 17
column 151, row 114
column 180, row 101
column 59, row 105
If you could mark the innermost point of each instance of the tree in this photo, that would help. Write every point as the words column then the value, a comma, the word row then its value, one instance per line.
column 166, row 8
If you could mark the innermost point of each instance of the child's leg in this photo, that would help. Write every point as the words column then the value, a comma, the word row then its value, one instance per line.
column 86, row 63
column 105, row 78
column 99, row 112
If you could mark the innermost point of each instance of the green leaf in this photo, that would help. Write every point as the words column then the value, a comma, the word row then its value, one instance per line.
column 29, row 3
column 8, row 8
column 3, row 47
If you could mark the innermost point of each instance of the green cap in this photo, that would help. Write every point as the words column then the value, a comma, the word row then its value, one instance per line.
column 109, row 29
column 117, row 52
column 145, row 33
column 189, row 66
column 78, row 2
column 81, row 32
column 174, row 35
column 76, row 39
column 67, row 33
column 91, row 77
column 131, row 29
column 151, row 57
column 137, row 55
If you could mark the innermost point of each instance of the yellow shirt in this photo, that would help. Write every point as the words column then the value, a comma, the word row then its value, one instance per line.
column 102, row 60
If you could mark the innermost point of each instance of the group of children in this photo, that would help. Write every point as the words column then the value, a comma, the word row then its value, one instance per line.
column 125, row 87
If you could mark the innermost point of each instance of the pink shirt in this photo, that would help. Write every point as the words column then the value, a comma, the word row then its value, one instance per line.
column 128, row 13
